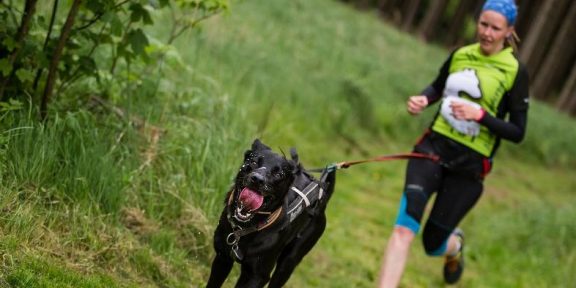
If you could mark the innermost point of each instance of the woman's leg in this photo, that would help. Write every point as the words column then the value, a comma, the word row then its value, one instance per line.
column 422, row 179
column 395, row 257
column 458, row 194
column 454, row 200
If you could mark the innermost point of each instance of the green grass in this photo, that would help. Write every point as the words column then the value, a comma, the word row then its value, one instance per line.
column 32, row 273
column 82, row 205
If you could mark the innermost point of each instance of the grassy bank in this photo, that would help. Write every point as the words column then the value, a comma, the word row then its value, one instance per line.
column 89, row 200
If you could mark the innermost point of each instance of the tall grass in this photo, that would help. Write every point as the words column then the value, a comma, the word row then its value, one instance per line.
column 67, row 161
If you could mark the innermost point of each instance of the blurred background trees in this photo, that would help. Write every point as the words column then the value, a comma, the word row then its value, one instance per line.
column 544, row 27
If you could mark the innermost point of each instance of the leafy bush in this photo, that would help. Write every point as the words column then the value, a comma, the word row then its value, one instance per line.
column 100, row 41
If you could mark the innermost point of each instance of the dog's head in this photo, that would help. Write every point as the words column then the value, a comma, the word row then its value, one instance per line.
column 263, row 181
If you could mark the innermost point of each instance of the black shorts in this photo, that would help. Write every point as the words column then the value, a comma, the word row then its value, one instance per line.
column 457, row 181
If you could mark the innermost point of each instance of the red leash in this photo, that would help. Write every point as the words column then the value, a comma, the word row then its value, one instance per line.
column 347, row 164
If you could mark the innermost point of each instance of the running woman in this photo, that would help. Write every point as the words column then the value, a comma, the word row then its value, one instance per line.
column 478, row 87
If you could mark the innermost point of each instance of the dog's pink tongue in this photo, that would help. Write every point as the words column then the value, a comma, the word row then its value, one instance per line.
column 250, row 199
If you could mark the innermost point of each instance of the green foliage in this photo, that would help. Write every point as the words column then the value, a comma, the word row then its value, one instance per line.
column 101, row 26
column 5, row 67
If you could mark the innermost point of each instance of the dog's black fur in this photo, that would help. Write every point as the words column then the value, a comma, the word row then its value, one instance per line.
column 283, row 244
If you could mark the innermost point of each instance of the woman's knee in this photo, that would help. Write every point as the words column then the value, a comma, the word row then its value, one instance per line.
column 435, row 238
column 402, row 236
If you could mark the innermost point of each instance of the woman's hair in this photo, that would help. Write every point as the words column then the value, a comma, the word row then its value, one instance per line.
column 513, row 41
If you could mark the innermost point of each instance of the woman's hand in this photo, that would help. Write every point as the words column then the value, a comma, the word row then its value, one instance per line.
column 416, row 104
column 463, row 111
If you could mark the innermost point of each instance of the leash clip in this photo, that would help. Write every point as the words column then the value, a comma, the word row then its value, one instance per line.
column 232, row 239
column 237, row 253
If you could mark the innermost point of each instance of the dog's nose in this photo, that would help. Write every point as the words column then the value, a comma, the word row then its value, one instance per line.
column 256, row 178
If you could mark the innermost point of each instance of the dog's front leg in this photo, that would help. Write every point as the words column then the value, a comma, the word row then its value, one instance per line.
column 221, row 267
column 255, row 273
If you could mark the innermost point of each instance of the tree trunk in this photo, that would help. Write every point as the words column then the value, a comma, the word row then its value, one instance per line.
column 541, row 34
column 464, row 10
column 409, row 13
column 429, row 25
column 478, row 8
column 528, row 10
column 560, row 58
column 385, row 7
column 391, row 9
column 53, row 68
column 568, row 93
column 29, row 10
column 572, row 103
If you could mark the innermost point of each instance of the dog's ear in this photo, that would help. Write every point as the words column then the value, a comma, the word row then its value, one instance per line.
column 295, row 161
column 258, row 145
column 294, row 155
column 295, row 167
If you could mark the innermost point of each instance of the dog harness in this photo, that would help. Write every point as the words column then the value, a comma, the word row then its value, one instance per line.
column 308, row 196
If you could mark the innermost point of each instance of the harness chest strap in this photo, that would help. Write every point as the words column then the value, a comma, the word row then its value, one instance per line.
column 312, row 193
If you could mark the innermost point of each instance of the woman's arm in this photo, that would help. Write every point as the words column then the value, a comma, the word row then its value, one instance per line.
column 514, row 129
column 434, row 91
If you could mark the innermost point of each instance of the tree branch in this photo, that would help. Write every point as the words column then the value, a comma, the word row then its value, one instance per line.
column 175, row 35
column 99, row 15
column 29, row 10
column 53, row 68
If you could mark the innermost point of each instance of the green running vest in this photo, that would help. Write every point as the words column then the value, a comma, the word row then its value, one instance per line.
column 494, row 76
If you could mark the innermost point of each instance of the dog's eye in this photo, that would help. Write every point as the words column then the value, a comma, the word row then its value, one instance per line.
column 277, row 172
column 249, row 164
column 256, row 161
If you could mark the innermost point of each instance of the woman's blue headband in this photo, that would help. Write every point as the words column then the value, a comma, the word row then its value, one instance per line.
column 504, row 7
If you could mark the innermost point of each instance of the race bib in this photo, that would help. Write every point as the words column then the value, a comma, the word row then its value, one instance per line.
column 468, row 127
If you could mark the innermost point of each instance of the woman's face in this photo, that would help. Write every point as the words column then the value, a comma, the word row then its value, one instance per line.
column 492, row 31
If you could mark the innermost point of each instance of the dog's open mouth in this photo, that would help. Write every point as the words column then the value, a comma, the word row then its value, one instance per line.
column 249, row 202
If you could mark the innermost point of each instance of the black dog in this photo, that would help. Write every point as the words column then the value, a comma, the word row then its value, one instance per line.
column 274, row 215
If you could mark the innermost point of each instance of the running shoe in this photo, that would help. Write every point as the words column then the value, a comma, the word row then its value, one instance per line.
column 454, row 265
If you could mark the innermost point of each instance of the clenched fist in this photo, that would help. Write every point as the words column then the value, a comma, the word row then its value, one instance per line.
column 416, row 104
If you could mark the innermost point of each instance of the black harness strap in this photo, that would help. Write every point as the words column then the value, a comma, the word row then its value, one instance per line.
column 312, row 193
